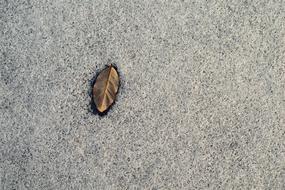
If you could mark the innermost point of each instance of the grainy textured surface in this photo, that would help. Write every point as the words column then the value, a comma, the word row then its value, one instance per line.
column 202, row 102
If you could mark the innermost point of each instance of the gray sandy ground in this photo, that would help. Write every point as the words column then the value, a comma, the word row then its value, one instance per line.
column 201, row 105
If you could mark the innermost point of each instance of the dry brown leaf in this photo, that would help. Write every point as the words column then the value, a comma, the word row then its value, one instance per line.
column 105, row 88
